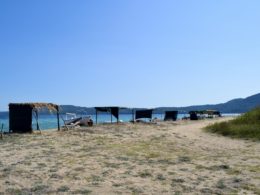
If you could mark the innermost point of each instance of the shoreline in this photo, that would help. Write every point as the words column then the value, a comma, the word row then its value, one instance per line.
column 49, row 121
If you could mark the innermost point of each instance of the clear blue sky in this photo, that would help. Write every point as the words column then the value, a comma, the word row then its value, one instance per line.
column 143, row 53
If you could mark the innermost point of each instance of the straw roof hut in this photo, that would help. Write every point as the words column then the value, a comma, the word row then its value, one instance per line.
column 20, row 115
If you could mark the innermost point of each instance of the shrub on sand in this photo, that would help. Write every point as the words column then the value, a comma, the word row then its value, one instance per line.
column 247, row 126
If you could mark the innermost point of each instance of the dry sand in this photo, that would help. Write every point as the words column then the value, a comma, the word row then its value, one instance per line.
column 164, row 158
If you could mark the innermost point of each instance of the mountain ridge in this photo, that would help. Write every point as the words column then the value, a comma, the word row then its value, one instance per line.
column 237, row 105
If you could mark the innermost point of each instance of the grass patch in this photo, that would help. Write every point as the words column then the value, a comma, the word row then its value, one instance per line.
column 145, row 174
column 178, row 180
column 39, row 188
column 246, row 126
column 136, row 190
column 186, row 159
column 95, row 179
column 84, row 191
column 220, row 184
column 252, row 188
column 63, row 189
column 255, row 168
column 14, row 191
column 160, row 177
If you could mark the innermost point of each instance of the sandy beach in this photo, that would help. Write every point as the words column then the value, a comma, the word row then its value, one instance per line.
column 164, row 158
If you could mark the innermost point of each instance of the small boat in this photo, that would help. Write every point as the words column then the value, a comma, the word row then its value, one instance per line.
column 71, row 118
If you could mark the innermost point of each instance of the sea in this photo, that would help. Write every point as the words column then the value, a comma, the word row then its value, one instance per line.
column 49, row 121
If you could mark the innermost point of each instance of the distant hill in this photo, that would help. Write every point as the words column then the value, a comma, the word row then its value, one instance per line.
column 233, row 106
column 239, row 105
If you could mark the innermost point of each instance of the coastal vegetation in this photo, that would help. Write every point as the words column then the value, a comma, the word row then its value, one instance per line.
column 247, row 126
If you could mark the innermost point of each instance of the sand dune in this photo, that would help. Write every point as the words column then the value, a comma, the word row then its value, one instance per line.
column 164, row 158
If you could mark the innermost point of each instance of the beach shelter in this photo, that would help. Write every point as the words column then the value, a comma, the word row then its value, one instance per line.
column 217, row 113
column 148, row 113
column 170, row 115
column 21, row 115
column 113, row 110
column 194, row 115
column 212, row 113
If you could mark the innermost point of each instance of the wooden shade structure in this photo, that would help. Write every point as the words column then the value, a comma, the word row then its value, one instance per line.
column 212, row 112
column 148, row 113
column 20, row 116
column 113, row 110
column 171, row 115
column 195, row 115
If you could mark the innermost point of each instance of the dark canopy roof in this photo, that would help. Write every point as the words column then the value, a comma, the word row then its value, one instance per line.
column 171, row 115
column 144, row 114
column 210, row 112
column 114, row 110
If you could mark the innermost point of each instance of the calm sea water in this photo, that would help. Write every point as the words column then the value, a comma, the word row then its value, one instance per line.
column 50, row 121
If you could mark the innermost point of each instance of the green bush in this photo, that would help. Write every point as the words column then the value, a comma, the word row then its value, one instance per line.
column 247, row 126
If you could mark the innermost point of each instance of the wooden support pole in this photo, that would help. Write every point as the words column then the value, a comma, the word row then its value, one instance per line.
column 96, row 116
column 118, row 116
column 58, row 118
column 37, row 120
column 133, row 115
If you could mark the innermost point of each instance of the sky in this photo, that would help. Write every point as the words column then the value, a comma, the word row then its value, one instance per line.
column 134, row 53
